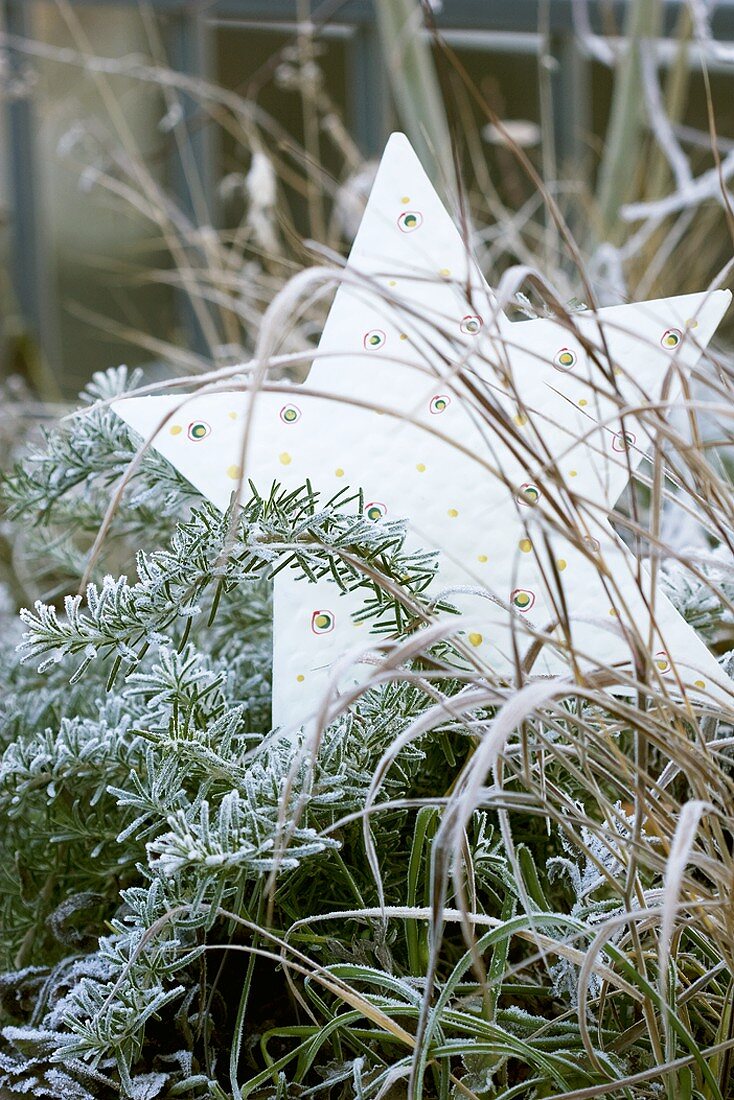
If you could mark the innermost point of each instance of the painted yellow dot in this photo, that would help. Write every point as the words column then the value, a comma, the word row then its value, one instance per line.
column 338, row 471
column 421, row 467
column 525, row 545
column 561, row 563
column 300, row 678
column 232, row 415
column 613, row 612
column 573, row 473
column 235, row 472
column 403, row 336
column 699, row 683
column 618, row 370
column 175, row 429
column 476, row 639
column 405, row 199
column 583, row 401
column 692, row 323
column 285, row 458
column 521, row 420
column 444, row 272
column 393, row 282
column 482, row 558
column 453, row 513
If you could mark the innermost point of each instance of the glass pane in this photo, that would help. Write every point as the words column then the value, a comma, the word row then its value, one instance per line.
column 97, row 136
column 264, row 66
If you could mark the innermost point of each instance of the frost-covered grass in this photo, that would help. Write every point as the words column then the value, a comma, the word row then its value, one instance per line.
column 462, row 886
column 459, row 886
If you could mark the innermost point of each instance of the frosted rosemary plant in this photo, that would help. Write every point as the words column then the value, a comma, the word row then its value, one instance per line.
column 194, row 905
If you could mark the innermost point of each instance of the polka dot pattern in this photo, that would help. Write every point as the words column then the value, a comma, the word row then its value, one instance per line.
column 198, row 430
column 565, row 359
column 671, row 339
column 410, row 220
column 305, row 442
column 621, row 441
column 375, row 510
column 662, row 661
column 471, row 325
column 529, row 494
column 522, row 599
column 439, row 403
column 322, row 622
column 374, row 339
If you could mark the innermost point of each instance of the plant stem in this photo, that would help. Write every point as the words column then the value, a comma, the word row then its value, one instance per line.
column 625, row 129
column 416, row 89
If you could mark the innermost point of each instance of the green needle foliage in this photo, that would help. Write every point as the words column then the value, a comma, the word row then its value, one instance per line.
column 453, row 886
column 194, row 905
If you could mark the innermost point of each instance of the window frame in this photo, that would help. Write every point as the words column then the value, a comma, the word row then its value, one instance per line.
column 189, row 32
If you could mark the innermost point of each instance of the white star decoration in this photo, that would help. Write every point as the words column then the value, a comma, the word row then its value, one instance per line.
column 502, row 445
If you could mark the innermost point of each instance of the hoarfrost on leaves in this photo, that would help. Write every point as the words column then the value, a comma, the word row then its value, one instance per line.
column 141, row 760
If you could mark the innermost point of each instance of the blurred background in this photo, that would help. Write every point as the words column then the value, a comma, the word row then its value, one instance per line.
column 169, row 164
